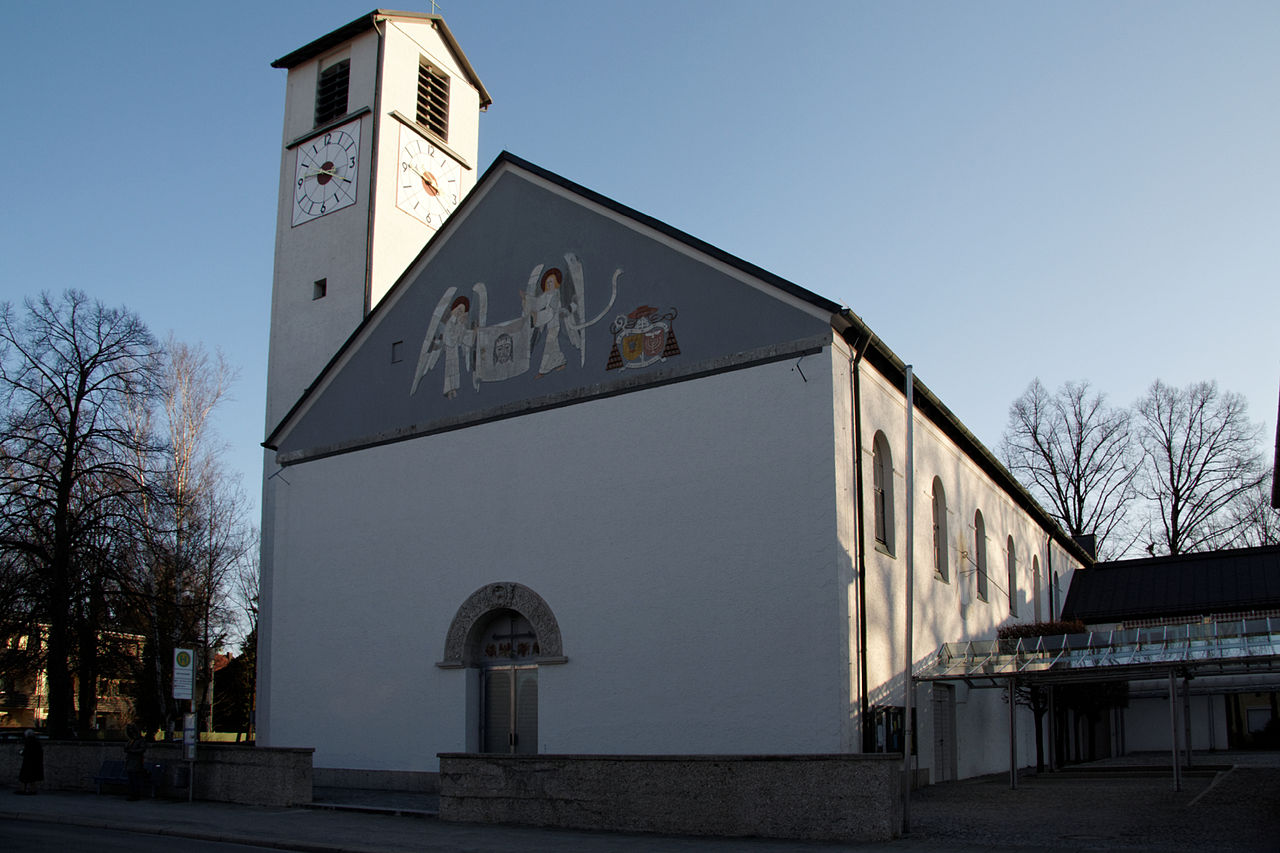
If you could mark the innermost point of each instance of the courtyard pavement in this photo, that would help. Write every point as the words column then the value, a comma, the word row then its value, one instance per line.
column 1103, row 806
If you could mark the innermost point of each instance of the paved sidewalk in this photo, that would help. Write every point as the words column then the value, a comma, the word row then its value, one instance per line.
column 1108, row 807
column 403, row 803
column 1237, row 810
column 331, row 831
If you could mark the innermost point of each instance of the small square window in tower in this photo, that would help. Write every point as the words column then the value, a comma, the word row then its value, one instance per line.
column 331, row 91
column 433, row 99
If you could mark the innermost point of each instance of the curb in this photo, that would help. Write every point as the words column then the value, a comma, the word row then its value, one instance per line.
column 222, row 838
column 386, row 810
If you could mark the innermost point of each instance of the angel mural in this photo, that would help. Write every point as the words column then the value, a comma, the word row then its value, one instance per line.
column 548, row 312
column 453, row 334
column 553, row 309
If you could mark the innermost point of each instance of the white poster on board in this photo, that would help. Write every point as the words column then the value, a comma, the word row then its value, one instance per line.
column 184, row 669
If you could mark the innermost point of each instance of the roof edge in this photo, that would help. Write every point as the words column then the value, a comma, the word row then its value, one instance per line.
column 369, row 21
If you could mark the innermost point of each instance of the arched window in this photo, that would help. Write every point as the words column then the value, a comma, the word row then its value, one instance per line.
column 980, row 553
column 882, row 487
column 1012, row 562
column 1035, row 588
column 939, row 531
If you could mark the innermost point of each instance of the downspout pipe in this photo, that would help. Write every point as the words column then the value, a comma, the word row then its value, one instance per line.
column 908, row 683
column 864, row 716
column 1053, row 711
column 1048, row 576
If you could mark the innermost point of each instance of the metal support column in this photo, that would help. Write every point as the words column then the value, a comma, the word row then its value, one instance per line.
column 1213, row 738
column 1186, row 713
column 1053, row 731
column 1173, row 730
column 1013, row 733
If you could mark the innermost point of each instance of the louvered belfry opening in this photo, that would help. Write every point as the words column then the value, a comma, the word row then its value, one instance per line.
column 433, row 99
column 331, row 92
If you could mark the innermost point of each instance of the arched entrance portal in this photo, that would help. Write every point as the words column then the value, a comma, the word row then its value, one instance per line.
column 501, row 634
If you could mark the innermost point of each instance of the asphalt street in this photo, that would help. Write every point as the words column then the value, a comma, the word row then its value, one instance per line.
column 33, row 837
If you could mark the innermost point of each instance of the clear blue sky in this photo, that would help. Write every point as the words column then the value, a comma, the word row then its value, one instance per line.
column 1002, row 190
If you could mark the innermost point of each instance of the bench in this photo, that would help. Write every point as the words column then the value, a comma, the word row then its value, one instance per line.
column 112, row 772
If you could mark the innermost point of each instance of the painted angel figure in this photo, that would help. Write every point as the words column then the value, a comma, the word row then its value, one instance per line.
column 555, row 303
column 547, row 310
column 451, row 332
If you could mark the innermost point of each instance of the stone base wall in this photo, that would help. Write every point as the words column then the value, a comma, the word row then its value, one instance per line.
column 377, row 780
column 815, row 797
column 223, row 772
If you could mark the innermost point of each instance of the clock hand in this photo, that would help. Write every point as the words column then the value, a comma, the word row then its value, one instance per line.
column 328, row 172
column 426, row 176
column 429, row 180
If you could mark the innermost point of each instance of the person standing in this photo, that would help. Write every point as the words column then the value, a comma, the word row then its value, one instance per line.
column 32, row 769
column 134, row 751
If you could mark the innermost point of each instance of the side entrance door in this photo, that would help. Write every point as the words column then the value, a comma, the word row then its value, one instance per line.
column 944, row 732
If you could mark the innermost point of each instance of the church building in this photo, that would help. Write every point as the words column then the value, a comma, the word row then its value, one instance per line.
column 544, row 474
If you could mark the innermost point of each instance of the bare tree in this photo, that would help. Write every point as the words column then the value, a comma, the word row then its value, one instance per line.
column 245, row 582
column 236, row 696
column 69, row 369
column 1200, row 456
column 1075, row 454
column 226, row 542
column 1255, row 521
column 195, row 527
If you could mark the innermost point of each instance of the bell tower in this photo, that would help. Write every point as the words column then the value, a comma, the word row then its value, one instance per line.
column 380, row 144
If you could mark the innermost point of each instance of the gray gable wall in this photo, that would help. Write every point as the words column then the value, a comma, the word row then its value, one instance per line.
column 418, row 367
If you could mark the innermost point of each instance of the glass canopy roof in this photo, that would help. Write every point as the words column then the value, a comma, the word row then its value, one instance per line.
column 1211, row 648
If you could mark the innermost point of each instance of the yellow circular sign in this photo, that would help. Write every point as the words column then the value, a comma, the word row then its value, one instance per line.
column 184, row 659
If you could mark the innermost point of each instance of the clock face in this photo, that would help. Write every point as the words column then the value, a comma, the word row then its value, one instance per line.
column 326, row 177
column 429, row 183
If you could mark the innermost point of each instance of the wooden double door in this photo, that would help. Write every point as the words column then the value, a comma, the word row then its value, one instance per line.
column 509, row 709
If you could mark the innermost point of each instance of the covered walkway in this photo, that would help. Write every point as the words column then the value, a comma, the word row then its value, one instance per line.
column 1245, row 646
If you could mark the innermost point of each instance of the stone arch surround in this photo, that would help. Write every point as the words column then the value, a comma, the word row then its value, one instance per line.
column 506, row 595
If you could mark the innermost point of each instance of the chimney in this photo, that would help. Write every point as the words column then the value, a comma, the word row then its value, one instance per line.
column 1089, row 542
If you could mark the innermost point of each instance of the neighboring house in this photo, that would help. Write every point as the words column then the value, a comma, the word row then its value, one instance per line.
column 582, row 483
column 24, row 700
column 18, row 686
column 1217, row 591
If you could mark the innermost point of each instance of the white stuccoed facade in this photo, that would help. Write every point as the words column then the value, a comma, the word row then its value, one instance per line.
column 666, row 629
